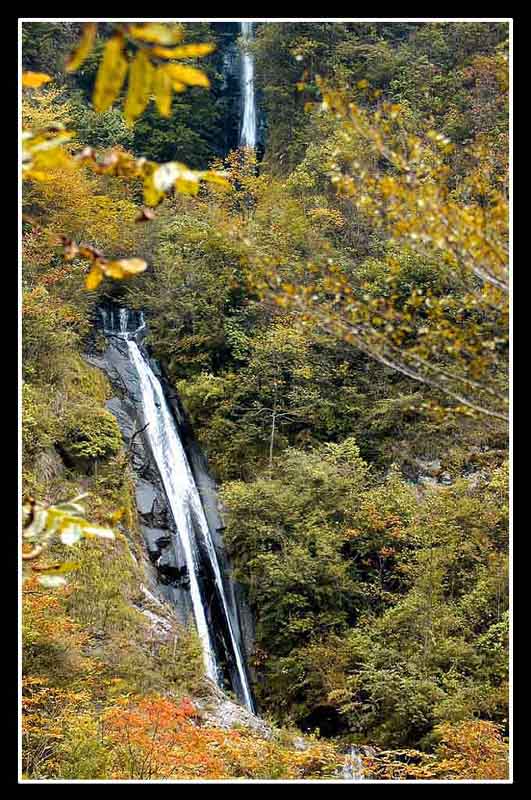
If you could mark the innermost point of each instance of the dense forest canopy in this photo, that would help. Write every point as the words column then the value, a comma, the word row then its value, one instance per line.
column 332, row 310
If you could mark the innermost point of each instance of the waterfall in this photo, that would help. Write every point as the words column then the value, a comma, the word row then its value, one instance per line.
column 182, row 494
column 248, row 131
column 178, row 484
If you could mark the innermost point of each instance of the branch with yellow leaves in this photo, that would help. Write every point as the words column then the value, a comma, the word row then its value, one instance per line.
column 412, row 199
column 454, row 339
column 43, row 151
column 456, row 359
column 43, row 524
column 146, row 52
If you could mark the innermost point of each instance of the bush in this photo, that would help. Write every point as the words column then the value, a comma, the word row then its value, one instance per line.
column 92, row 434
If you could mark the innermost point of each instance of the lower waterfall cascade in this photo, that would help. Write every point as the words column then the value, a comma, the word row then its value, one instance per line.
column 183, row 498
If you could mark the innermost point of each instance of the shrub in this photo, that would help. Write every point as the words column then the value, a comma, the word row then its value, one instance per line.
column 92, row 434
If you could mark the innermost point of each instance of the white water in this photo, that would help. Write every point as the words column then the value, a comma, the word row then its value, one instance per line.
column 178, row 484
column 183, row 498
column 353, row 766
column 248, row 130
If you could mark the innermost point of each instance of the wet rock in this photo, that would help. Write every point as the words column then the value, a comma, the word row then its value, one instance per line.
column 160, row 616
column 146, row 495
column 446, row 479
column 159, row 625
column 221, row 712
column 150, row 597
column 123, row 417
column 156, row 539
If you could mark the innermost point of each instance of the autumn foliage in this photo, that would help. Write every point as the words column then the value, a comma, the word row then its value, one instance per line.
column 469, row 750
column 154, row 738
column 333, row 312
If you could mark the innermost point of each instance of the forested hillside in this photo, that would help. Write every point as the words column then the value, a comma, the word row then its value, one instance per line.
column 331, row 309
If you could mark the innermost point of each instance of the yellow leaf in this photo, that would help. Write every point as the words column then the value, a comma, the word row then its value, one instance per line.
column 113, row 270
column 187, row 182
column 185, row 50
column 178, row 86
column 160, row 178
column 116, row 516
column 132, row 266
column 49, row 139
column 94, row 278
column 163, row 91
column 32, row 80
column 178, row 175
column 111, row 74
column 36, row 175
column 157, row 32
column 124, row 267
column 152, row 195
column 216, row 177
column 84, row 47
column 93, row 531
column 165, row 176
column 140, row 82
column 188, row 75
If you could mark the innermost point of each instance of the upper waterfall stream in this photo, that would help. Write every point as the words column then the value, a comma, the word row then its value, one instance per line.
column 248, row 134
column 183, row 497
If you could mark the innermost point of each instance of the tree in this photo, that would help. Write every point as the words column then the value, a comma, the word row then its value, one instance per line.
column 453, row 338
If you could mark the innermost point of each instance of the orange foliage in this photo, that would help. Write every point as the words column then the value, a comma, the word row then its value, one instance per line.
column 473, row 749
column 46, row 713
column 154, row 738
column 44, row 616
